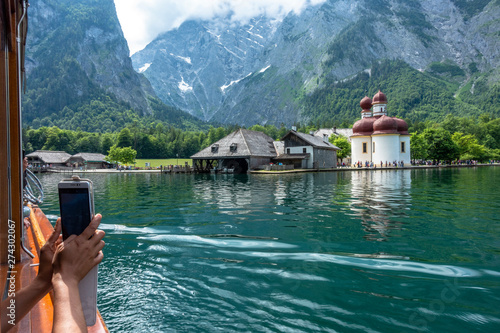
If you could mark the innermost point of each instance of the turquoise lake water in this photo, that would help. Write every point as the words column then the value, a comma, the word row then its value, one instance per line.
column 362, row 251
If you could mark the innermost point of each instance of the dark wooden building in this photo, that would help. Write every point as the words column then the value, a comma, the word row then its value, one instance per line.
column 306, row 151
column 48, row 158
column 240, row 151
column 89, row 160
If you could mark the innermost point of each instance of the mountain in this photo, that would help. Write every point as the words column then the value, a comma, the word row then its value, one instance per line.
column 273, row 72
column 192, row 67
column 79, row 73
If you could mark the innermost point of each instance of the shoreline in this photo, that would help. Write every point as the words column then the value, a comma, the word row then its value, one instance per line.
column 411, row 167
column 263, row 172
column 103, row 171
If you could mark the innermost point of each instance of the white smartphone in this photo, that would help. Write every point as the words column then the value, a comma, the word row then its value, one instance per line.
column 76, row 202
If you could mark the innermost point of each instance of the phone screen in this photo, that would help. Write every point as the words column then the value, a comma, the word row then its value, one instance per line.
column 75, row 210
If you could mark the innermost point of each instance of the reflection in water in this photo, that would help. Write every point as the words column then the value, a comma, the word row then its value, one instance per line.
column 295, row 252
column 232, row 194
column 381, row 199
column 280, row 191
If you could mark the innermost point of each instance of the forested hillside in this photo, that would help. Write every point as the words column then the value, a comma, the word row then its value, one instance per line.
column 412, row 95
column 437, row 62
column 79, row 74
column 446, row 57
column 153, row 141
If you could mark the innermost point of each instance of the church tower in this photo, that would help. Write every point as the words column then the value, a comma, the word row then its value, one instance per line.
column 379, row 104
column 378, row 138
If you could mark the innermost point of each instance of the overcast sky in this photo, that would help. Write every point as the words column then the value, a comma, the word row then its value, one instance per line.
column 143, row 20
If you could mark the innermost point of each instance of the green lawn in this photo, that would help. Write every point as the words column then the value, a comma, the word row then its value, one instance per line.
column 141, row 163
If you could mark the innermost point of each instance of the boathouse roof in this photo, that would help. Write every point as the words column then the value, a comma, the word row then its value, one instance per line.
column 241, row 143
column 89, row 157
column 309, row 139
column 50, row 157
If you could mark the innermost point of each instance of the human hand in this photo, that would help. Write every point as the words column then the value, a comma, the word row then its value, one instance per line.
column 47, row 255
column 27, row 222
column 77, row 255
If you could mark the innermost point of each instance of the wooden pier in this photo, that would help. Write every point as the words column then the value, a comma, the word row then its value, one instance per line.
column 177, row 169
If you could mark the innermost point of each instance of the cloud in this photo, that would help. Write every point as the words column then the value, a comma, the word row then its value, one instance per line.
column 143, row 20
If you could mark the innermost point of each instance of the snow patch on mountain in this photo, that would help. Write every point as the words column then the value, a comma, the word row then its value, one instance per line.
column 186, row 59
column 224, row 87
column 145, row 67
column 264, row 69
column 184, row 87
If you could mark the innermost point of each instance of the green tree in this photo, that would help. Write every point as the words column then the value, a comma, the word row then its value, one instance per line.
column 492, row 137
column 113, row 155
column 343, row 143
column 125, row 138
column 128, row 155
column 418, row 147
column 124, row 155
column 83, row 145
column 440, row 146
column 220, row 133
column 282, row 132
column 148, row 147
column 468, row 147
column 37, row 137
column 257, row 128
column 95, row 143
column 59, row 140
column 107, row 143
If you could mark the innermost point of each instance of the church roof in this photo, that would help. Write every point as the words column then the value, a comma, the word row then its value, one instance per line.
column 364, row 126
column 366, row 103
column 402, row 126
column 379, row 98
column 369, row 125
column 385, row 125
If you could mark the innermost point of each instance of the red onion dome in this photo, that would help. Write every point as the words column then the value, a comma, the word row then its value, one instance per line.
column 402, row 126
column 366, row 103
column 379, row 98
column 363, row 126
column 385, row 125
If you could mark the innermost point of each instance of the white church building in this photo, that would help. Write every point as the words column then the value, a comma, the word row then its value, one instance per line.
column 378, row 138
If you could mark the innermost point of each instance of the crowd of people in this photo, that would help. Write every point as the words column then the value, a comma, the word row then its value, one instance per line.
column 401, row 164
column 455, row 162
column 370, row 164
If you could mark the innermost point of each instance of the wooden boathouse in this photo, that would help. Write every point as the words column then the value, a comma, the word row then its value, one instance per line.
column 241, row 151
column 89, row 160
column 48, row 158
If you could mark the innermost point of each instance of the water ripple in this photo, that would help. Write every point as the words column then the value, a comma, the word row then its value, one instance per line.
column 198, row 240
column 377, row 251
column 379, row 264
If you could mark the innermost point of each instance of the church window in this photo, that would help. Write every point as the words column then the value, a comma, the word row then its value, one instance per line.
column 365, row 147
column 403, row 147
column 373, row 150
